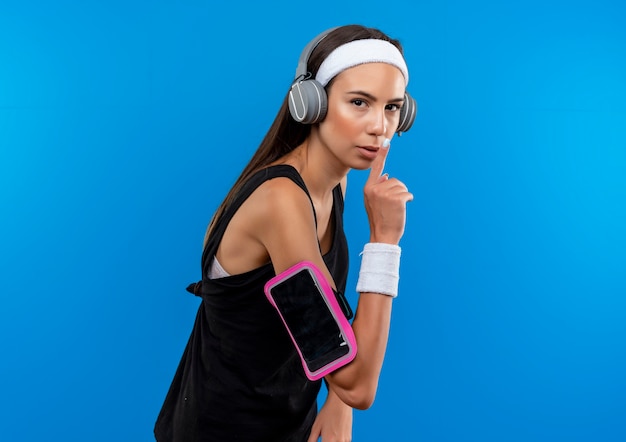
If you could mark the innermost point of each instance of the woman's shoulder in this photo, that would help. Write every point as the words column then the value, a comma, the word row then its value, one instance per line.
column 279, row 197
column 275, row 208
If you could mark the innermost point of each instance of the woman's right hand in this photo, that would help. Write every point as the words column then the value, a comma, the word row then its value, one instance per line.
column 385, row 202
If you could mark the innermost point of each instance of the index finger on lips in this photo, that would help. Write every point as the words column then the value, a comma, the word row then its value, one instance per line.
column 378, row 164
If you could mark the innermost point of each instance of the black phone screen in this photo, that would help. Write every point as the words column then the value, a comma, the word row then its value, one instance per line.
column 310, row 319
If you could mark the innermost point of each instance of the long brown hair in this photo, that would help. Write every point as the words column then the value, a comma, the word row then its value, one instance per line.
column 285, row 134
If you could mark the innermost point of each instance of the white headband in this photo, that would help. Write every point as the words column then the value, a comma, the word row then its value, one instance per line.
column 359, row 52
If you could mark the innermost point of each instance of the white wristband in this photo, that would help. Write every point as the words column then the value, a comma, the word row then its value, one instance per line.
column 380, row 269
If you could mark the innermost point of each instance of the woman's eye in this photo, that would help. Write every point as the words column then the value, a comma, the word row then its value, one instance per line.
column 358, row 102
column 393, row 107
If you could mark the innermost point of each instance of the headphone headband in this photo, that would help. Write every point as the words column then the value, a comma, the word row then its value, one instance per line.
column 303, row 69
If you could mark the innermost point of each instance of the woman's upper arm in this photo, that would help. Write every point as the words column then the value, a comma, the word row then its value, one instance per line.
column 286, row 225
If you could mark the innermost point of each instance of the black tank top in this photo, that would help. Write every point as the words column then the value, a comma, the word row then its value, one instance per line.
column 240, row 377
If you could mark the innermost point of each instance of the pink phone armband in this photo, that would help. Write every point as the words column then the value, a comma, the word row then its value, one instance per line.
column 309, row 309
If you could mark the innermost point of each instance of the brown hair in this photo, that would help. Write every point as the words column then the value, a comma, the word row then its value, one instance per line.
column 285, row 134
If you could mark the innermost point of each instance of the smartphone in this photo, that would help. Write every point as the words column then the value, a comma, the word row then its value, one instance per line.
column 314, row 319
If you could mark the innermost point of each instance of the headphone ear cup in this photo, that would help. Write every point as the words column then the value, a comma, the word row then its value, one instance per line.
column 407, row 114
column 308, row 102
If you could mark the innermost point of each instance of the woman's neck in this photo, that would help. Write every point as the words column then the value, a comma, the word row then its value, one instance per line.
column 320, row 170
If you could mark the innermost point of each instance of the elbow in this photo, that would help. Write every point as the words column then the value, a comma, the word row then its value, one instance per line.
column 354, row 385
column 363, row 403
column 361, row 397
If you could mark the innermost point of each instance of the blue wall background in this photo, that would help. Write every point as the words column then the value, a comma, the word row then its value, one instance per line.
column 122, row 125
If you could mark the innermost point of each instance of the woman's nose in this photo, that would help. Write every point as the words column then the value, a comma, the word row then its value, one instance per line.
column 378, row 122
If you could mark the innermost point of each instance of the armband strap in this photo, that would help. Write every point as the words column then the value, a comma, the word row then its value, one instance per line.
column 380, row 269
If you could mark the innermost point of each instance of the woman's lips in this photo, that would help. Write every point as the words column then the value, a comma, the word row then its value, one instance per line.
column 368, row 152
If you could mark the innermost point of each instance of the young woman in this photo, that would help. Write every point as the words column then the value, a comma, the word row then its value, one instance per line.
column 240, row 377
